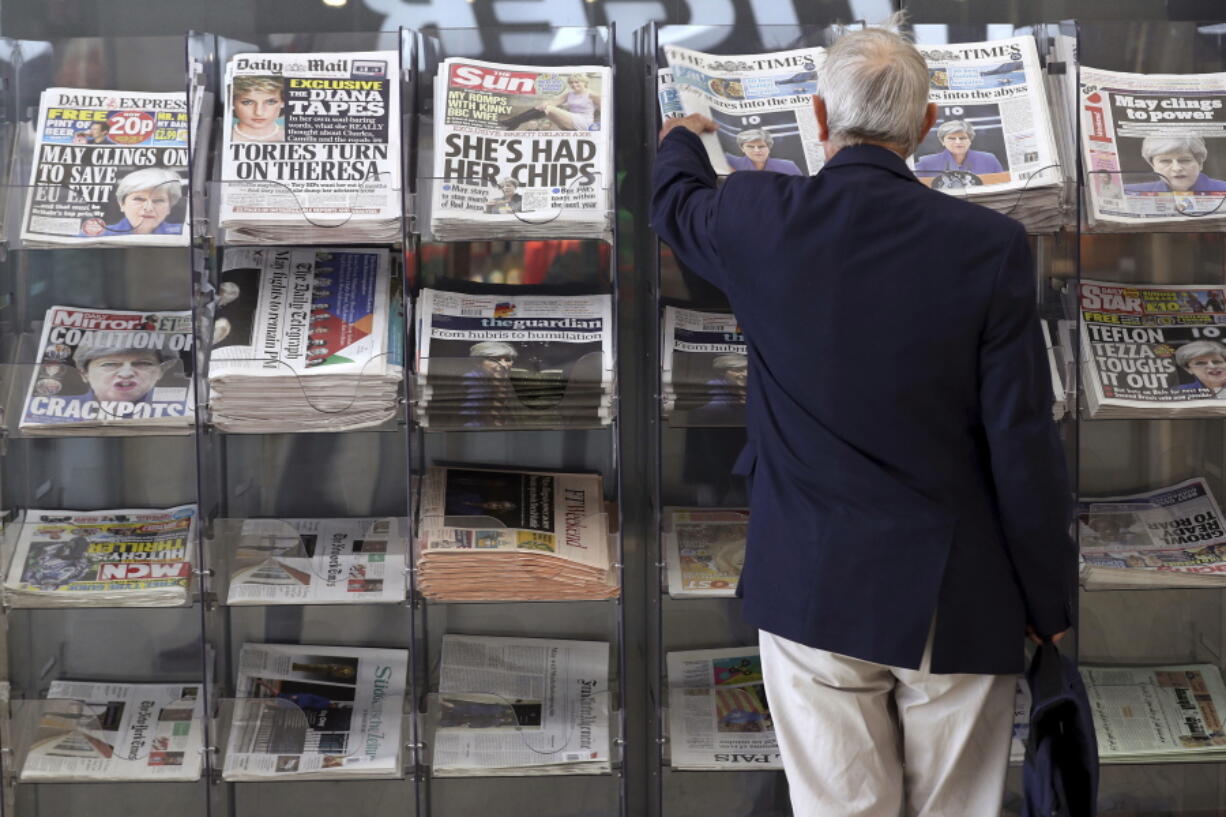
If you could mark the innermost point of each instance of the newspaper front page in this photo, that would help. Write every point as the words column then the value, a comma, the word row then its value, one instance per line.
column 705, row 550
column 705, row 368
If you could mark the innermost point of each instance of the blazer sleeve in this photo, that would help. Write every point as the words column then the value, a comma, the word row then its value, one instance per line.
column 1029, row 474
column 684, row 204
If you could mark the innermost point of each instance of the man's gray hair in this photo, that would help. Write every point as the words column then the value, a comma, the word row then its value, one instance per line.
column 956, row 126
column 151, row 178
column 747, row 136
column 875, row 85
column 1151, row 146
column 1197, row 348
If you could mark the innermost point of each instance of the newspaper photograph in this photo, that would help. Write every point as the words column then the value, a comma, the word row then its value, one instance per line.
column 521, row 706
column 705, row 550
column 718, row 716
column 316, row 713
column 110, row 168
column 705, row 368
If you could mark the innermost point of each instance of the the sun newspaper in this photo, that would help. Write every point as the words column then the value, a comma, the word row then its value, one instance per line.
column 109, row 168
column 521, row 151
column 705, row 550
column 705, row 368
column 521, row 706
column 311, row 151
column 316, row 713
column 718, row 718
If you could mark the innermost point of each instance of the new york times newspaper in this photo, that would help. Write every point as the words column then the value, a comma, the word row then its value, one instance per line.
column 761, row 103
column 522, row 150
column 705, row 368
column 109, row 169
column 1153, row 145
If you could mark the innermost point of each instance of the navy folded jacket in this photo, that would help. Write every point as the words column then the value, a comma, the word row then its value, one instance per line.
column 1060, row 773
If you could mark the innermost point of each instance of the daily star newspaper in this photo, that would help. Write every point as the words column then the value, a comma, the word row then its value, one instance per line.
column 316, row 713
column 705, row 368
column 1147, row 141
column 705, row 550
column 109, row 168
column 522, row 151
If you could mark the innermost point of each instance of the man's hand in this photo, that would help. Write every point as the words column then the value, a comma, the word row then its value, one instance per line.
column 695, row 122
column 1055, row 639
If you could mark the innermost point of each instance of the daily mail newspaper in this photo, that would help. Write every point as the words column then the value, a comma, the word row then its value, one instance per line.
column 1152, row 144
column 522, row 151
column 316, row 713
column 312, row 153
column 718, row 717
column 110, row 168
column 139, row 557
column 104, row 731
column 114, row 371
column 705, row 550
column 521, row 706
column 705, row 368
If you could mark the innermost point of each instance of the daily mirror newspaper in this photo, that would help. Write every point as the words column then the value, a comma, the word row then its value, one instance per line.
column 705, row 549
column 705, row 368
column 110, row 168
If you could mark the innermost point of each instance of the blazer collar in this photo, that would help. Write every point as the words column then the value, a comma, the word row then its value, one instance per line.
column 872, row 155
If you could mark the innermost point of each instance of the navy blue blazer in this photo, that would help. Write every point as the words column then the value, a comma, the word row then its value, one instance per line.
column 902, row 456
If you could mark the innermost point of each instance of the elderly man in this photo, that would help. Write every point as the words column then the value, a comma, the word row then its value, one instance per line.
column 910, row 505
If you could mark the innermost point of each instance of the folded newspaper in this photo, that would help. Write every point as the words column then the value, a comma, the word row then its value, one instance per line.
column 718, row 717
column 521, row 151
column 109, row 169
column 521, row 706
column 305, row 340
column 106, row 731
column 312, row 152
column 1059, row 364
column 316, row 713
column 514, row 361
column 111, row 371
column 705, row 368
column 704, row 550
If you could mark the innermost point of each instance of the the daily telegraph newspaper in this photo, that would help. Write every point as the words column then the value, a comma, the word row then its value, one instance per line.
column 311, row 153
column 110, row 168
column 718, row 717
column 310, row 712
column 1163, row 713
column 111, row 371
column 1152, row 145
column 1153, row 350
column 521, row 706
column 139, row 557
column 514, row 361
column 100, row 730
column 705, row 550
column 761, row 103
column 316, row 561
column 705, row 368
column 522, row 151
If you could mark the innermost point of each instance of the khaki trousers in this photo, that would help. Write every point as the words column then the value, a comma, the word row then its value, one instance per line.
column 860, row 739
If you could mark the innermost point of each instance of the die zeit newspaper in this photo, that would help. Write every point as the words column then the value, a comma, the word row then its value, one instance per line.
column 109, row 168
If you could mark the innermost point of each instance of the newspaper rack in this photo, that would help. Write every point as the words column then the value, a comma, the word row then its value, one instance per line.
column 329, row 221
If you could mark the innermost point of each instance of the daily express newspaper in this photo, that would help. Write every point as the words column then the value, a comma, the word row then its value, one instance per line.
column 109, row 168
column 522, row 706
column 718, row 718
column 111, row 368
column 1152, row 145
column 316, row 712
column 95, row 731
column 130, row 556
column 705, row 550
column 705, row 368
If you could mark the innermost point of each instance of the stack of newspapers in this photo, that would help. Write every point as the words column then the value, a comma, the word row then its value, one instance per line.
column 1148, row 143
column 1170, row 537
column 311, row 151
column 317, row 713
column 718, row 716
column 514, row 361
column 521, row 706
column 704, row 368
column 111, row 372
column 705, row 550
column 109, row 169
column 1153, row 350
column 1059, row 362
column 315, row 561
column 305, row 340
column 521, row 151
column 129, row 557
column 107, row 731
column 514, row 535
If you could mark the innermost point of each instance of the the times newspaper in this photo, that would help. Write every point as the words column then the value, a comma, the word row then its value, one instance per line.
column 705, row 368
column 1152, row 146
column 522, row 151
column 101, row 371
column 311, row 152
column 521, row 706
column 316, row 561
column 718, row 717
column 309, row 712
column 110, row 168
column 106, row 731
column 705, row 550
column 1155, row 714
column 1153, row 350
